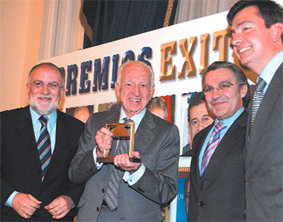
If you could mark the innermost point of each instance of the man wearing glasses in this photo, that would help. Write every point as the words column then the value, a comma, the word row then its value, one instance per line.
column 38, row 143
column 217, row 189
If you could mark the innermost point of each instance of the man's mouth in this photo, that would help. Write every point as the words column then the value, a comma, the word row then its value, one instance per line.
column 135, row 100
column 244, row 49
column 44, row 98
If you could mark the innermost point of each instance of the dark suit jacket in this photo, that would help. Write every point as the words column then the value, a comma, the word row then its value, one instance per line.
column 157, row 141
column 264, row 157
column 220, row 194
column 20, row 163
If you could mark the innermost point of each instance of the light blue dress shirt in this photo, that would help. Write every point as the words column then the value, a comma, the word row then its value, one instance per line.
column 228, row 123
column 269, row 70
column 51, row 127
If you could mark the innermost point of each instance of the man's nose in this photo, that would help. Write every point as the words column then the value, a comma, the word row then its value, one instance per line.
column 136, row 90
column 45, row 89
column 236, row 40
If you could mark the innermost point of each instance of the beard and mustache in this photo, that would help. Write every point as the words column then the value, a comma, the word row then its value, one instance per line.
column 35, row 105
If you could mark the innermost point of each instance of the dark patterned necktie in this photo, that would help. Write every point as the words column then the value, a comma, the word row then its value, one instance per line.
column 257, row 98
column 211, row 146
column 111, row 194
column 44, row 147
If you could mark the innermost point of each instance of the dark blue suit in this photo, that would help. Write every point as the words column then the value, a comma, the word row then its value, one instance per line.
column 220, row 194
column 20, row 163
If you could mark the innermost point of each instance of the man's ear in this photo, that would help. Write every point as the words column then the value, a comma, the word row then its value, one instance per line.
column 244, row 91
column 277, row 30
column 152, row 91
column 117, row 89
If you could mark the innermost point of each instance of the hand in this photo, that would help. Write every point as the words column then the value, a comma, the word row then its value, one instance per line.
column 60, row 207
column 123, row 162
column 103, row 140
column 25, row 205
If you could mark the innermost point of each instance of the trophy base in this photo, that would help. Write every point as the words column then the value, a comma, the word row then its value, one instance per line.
column 110, row 159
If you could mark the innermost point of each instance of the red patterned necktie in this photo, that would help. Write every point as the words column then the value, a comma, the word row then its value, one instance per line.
column 211, row 146
column 44, row 147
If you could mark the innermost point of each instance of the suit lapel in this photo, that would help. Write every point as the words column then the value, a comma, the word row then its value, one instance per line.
column 228, row 142
column 271, row 96
column 26, row 133
column 60, row 143
column 198, row 144
column 143, row 136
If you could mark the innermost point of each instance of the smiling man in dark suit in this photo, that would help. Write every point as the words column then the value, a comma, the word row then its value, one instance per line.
column 257, row 40
column 38, row 143
column 217, row 189
column 143, row 186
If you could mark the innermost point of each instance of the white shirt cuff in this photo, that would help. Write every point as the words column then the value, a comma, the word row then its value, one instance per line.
column 131, row 179
column 98, row 165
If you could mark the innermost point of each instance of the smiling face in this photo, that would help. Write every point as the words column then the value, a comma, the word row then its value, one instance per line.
column 226, row 97
column 134, row 89
column 43, row 99
column 199, row 119
column 252, row 42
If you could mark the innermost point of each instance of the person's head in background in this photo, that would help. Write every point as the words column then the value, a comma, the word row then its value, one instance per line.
column 45, row 88
column 198, row 115
column 158, row 107
column 226, row 89
column 82, row 113
column 257, row 32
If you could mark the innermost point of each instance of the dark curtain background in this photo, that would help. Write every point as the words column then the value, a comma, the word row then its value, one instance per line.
column 108, row 20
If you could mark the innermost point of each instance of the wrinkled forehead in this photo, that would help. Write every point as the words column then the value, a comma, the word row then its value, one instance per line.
column 46, row 73
column 135, row 72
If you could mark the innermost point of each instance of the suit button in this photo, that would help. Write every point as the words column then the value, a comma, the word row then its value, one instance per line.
column 97, row 209
column 200, row 203
column 103, row 190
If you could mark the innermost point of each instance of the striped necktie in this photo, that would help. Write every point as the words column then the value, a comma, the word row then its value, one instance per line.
column 43, row 147
column 257, row 98
column 211, row 146
column 111, row 194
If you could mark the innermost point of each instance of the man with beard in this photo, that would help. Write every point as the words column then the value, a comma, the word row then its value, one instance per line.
column 257, row 40
column 217, row 189
column 38, row 143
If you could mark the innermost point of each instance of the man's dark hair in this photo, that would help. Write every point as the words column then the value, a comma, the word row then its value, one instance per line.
column 270, row 11
column 197, row 99
column 239, row 75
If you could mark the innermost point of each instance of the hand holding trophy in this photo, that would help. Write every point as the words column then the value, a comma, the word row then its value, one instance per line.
column 123, row 132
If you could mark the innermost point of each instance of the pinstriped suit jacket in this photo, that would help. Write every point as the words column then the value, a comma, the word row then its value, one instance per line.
column 264, row 157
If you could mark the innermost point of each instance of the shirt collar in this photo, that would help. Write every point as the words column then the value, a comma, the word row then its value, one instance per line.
column 136, row 118
column 271, row 67
column 51, row 117
column 228, row 122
